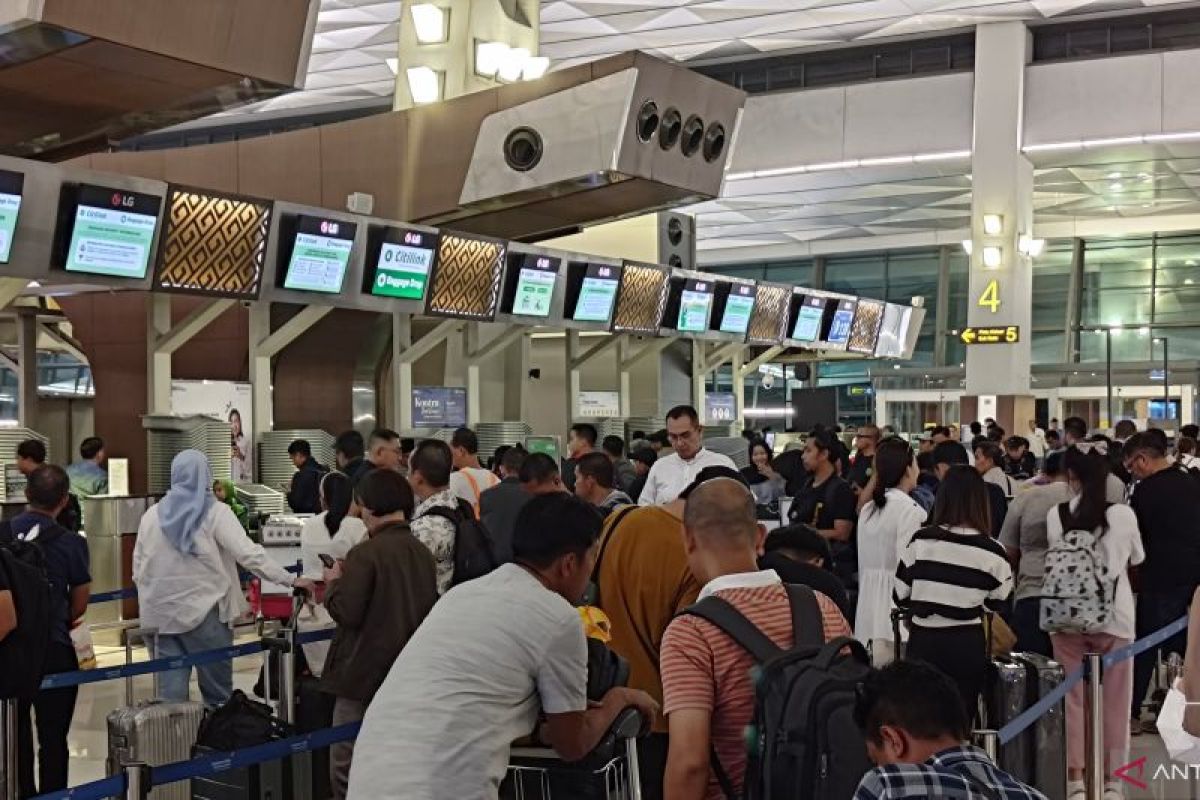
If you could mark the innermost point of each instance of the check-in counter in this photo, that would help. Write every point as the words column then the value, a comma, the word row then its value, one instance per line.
column 111, row 525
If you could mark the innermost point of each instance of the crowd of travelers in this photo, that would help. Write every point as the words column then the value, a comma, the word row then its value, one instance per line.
column 459, row 592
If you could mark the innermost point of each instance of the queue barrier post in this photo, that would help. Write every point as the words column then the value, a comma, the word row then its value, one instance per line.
column 137, row 781
column 1094, row 725
column 989, row 742
column 8, row 743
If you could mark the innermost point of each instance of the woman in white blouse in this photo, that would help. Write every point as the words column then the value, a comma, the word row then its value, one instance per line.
column 331, row 532
column 885, row 524
column 185, row 565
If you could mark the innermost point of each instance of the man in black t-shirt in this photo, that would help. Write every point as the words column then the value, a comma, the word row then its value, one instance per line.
column 1167, row 506
column 826, row 502
column 864, row 457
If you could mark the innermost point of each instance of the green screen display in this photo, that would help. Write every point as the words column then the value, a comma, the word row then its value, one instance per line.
column 695, row 306
column 11, row 185
column 113, row 232
column 808, row 320
column 405, row 260
column 320, row 255
column 738, row 308
column 535, row 290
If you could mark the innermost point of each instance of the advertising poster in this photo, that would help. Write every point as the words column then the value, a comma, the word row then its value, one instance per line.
column 720, row 408
column 439, row 406
column 227, row 401
column 599, row 404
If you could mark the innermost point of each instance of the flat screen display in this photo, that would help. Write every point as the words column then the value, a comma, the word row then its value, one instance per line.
column 402, row 260
column 695, row 306
column 894, row 331
column 536, row 277
column 738, row 308
column 320, row 254
column 808, row 318
column 439, row 406
column 841, row 321
column 864, row 334
column 11, row 186
column 597, row 294
column 112, row 232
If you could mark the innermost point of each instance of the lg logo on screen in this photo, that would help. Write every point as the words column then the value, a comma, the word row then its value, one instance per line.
column 122, row 200
column 329, row 228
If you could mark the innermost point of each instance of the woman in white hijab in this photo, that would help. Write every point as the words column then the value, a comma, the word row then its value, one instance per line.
column 185, row 565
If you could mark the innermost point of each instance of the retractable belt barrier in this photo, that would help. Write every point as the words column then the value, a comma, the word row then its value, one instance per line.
column 1053, row 698
column 123, row 594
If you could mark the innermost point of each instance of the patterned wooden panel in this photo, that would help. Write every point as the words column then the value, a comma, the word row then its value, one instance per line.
column 466, row 282
column 213, row 244
column 865, row 331
column 770, row 316
column 642, row 299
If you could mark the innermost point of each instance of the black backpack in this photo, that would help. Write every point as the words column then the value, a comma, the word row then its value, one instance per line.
column 474, row 553
column 807, row 743
column 240, row 722
column 23, row 651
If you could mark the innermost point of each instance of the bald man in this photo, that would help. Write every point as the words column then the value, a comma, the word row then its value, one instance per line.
column 708, row 696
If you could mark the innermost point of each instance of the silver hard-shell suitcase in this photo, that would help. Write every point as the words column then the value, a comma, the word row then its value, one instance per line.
column 1049, row 735
column 1006, row 698
column 154, row 732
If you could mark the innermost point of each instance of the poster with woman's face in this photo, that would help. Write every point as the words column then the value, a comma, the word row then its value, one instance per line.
column 229, row 402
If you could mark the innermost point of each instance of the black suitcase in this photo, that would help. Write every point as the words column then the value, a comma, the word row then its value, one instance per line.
column 264, row 781
column 315, row 712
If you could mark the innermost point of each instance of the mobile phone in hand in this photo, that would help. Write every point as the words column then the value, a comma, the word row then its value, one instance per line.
column 327, row 560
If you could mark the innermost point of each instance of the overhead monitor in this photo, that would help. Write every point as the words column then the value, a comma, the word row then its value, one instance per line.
column 695, row 306
column 894, row 331
column 643, row 299
column 213, row 244
column 439, row 406
column 732, row 307
column 768, row 322
column 808, row 313
column 592, row 291
column 529, row 284
column 315, row 252
column 399, row 261
column 466, row 277
column 839, row 319
column 107, row 231
column 12, row 185
column 864, row 334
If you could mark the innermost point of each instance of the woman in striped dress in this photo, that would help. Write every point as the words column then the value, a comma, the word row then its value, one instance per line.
column 948, row 576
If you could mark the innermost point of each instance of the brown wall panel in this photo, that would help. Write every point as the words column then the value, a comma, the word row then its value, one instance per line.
column 283, row 167
column 213, row 166
column 343, row 170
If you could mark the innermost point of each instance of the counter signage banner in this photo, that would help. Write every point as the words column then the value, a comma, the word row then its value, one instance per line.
column 720, row 408
column 439, row 406
column 228, row 401
column 599, row 404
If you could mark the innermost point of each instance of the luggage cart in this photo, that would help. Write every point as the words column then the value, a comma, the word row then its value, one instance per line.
column 609, row 773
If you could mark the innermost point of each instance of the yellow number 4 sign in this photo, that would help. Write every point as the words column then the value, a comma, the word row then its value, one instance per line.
column 990, row 299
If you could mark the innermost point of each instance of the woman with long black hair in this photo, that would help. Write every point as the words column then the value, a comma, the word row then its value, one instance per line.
column 885, row 524
column 766, row 484
column 332, row 532
column 1113, row 530
column 949, row 575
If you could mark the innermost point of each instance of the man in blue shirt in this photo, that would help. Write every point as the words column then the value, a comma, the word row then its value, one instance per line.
column 87, row 475
column 916, row 726
column 66, row 557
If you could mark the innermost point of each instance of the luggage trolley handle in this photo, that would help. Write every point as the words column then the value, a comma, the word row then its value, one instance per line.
column 899, row 615
column 132, row 632
column 285, row 645
column 630, row 725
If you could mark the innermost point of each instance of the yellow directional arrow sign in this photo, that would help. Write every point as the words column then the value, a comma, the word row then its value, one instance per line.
column 1001, row 334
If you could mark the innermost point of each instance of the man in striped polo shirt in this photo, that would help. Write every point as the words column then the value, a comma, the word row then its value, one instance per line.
column 708, row 691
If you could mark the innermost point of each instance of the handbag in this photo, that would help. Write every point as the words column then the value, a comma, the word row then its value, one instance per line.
column 1000, row 637
column 241, row 722
column 81, row 640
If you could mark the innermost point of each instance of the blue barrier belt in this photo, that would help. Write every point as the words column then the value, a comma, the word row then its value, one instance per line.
column 61, row 679
column 112, row 786
column 122, row 594
column 1030, row 715
column 215, row 763
column 307, row 637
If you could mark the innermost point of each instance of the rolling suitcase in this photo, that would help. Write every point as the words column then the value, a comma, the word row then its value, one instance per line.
column 258, row 782
column 154, row 732
column 1006, row 697
column 1048, row 738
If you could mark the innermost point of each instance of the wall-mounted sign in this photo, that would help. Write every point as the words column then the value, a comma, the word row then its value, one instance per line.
column 529, row 284
column 11, row 186
column 112, row 231
column 1000, row 334
column 402, row 261
column 439, row 406
column 320, row 253
column 739, row 305
column 720, row 408
column 695, row 306
column 599, row 404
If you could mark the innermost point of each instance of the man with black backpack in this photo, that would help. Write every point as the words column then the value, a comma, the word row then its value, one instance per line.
column 445, row 523
column 65, row 556
column 825, row 501
column 747, row 618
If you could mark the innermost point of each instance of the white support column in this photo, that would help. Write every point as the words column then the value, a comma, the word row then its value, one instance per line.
column 571, row 354
column 699, row 374
column 1001, row 186
column 158, row 364
column 739, row 388
column 67, row 343
column 526, row 358
column 750, row 367
column 27, row 372
column 260, row 367
column 475, row 355
column 10, row 289
column 401, row 371
column 627, row 359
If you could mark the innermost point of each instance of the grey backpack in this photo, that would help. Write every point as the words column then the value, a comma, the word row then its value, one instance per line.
column 1079, row 589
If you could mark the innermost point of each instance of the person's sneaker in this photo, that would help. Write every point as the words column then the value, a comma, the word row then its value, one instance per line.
column 1076, row 790
column 1113, row 791
column 1135, row 727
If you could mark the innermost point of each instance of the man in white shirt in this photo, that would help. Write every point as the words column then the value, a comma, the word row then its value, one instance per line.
column 469, row 479
column 988, row 458
column 493, row 656
column 1037, row 441
column 672, row 474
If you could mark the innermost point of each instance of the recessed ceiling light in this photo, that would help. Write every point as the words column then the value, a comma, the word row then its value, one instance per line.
column 1116, row 187
column 1112, row 176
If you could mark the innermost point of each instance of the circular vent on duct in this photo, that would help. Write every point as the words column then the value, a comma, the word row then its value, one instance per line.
column 693, row 135
column 668, row 132
column 523, row 149
column 674, row 231
column 714, row 142
column 647, row 121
